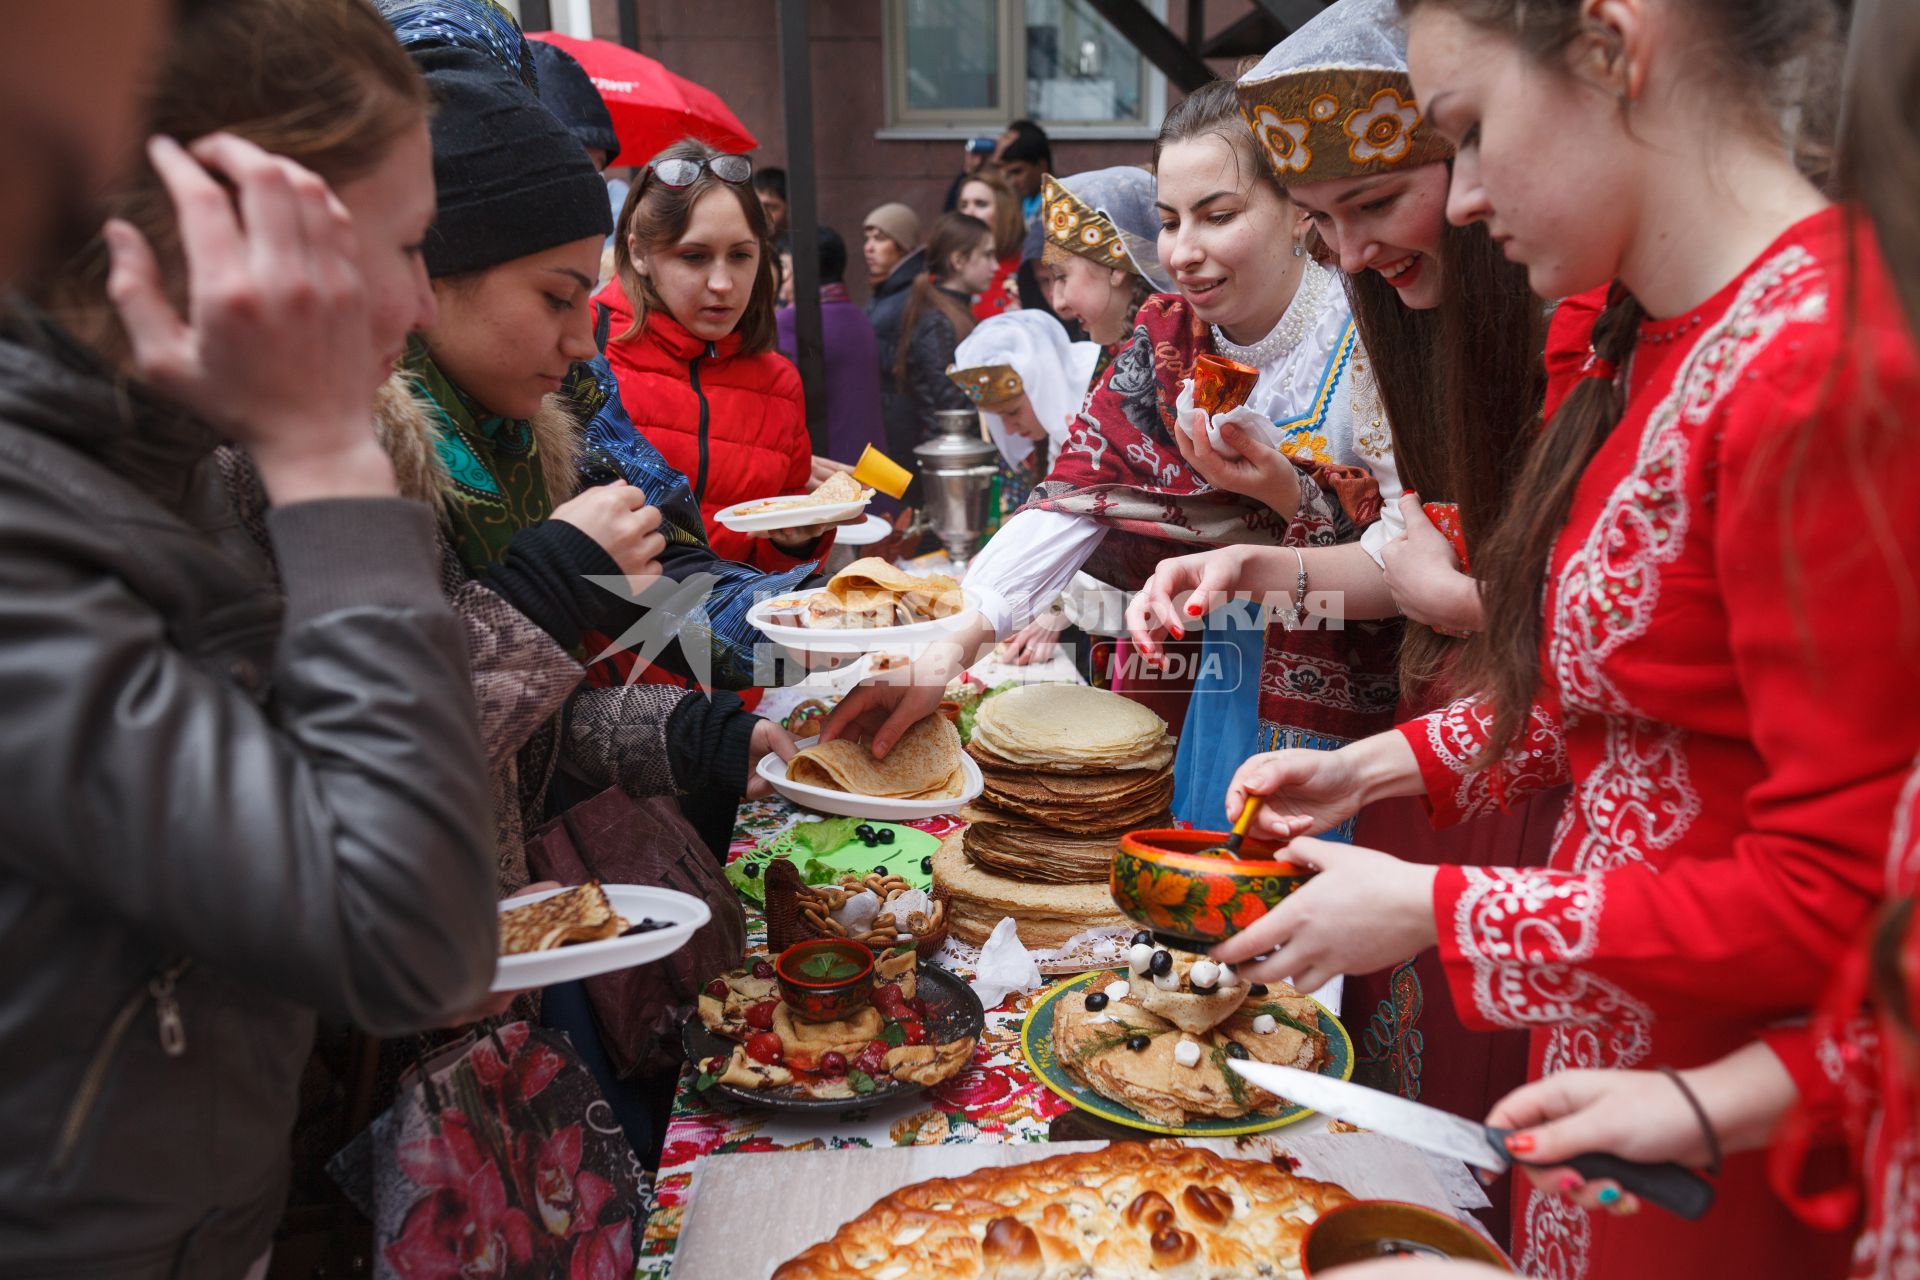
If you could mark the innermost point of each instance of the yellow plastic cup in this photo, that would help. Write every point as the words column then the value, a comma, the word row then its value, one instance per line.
column 877, row 471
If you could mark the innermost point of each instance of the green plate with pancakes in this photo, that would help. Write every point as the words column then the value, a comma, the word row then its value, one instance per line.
column 1036, row 1044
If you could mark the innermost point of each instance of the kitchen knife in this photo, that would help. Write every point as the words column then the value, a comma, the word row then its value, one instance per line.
column 1671, row 1186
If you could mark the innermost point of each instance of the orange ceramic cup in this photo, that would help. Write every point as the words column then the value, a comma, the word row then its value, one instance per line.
column 1221, row 385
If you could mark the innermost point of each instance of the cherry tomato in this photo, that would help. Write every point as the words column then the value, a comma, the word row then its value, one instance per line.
column 764, row 1046
column 833, row 1064
column 760, row 1016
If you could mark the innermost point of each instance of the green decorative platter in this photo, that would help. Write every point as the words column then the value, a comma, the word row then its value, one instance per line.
column 1036, row 1043
column 909, row 857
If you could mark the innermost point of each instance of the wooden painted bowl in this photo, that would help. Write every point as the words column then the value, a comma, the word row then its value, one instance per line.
column 826, row 979
column 1365, row 1230
column 1165, row 880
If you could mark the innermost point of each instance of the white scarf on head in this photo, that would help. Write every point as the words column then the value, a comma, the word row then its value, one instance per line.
column 1054, row 372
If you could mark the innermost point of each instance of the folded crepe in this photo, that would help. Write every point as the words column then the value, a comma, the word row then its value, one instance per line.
column 926, row 764
column 838, row 488
column 579, row 914
column 1092, row 1047
column 929, row 595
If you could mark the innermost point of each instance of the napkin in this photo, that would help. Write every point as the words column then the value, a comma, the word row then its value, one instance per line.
column 1194, row 420
column 857, row 914
column 1005, row 966
column 904, row 905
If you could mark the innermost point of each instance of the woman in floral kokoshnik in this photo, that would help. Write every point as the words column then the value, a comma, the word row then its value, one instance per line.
column 1456, row 338
column 1653, row 632
column 1125, row 491
column 1099, row 263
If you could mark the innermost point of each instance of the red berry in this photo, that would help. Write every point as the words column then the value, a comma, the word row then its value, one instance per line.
column 888, row 1000
column 763, row 970
column 764, row 1046
column 717, row 988
column 919, row 1006
column 915, row 1030
column 760, row 1016
column 833, row 1064
column 873, row 1058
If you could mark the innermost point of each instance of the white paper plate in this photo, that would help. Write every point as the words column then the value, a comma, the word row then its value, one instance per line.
column 800, row 641
column 785, row 517
column 682, row 913
column 869, row 531
column 848, row 805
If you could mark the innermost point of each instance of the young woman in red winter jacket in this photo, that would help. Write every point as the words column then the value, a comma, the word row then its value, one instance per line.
column 689, row 330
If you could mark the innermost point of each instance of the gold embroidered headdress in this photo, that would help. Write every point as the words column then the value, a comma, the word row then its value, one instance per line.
column 988, row 384
column 1105, row 216
column 1333, row 99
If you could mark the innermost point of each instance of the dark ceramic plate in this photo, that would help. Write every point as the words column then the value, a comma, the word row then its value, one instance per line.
column 953, row 1013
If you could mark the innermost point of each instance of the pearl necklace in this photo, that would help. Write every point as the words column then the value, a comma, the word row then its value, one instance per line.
column 1299, row 317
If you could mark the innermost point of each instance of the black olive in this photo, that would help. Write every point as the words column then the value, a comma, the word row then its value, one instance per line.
column 926, row 865
column 870, row 842
column 1138, row 1043
column 1162, row 963
column 1236, row 1050
column 1096, row 1001
column 1257, row 989
column 880, row 870
column 1144, row 938
column 886, row 835
column 864, row 830
column 751, row 870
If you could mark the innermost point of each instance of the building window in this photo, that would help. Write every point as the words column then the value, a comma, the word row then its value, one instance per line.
column 968, row 66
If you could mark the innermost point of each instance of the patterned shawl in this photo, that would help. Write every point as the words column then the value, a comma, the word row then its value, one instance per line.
column 498, row 484
column 1120, row 465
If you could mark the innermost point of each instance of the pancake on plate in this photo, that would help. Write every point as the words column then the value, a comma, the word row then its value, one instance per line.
column 871, row 588
column 926, row 764
column 1124, row 1052
column 1069, row 727
column 579, row 914
column 839, row 489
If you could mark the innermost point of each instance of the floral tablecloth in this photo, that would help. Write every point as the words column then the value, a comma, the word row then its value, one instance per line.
column 995, row 1100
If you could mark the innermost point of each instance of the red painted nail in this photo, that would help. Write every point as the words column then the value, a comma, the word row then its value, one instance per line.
column 1520, row 1143
column 1570, row 1183
column 1193, row 608
column 1178, row 634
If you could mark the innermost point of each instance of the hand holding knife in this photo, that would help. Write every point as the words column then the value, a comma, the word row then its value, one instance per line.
column 1673, row 1187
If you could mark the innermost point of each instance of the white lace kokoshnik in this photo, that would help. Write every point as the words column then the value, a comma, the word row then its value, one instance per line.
column 1314, row 374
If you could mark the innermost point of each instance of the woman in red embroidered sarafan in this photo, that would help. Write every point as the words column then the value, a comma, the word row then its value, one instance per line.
column 1694, row 608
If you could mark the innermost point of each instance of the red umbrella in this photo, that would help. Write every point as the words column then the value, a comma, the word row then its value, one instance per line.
column 652, row 108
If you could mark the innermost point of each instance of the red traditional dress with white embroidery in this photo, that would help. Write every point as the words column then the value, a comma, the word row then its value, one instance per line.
column 1859, row 1082
column 1725, row 686
column 1406, row 1041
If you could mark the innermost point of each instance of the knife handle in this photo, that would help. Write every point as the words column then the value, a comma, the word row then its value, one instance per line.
column 1674, row 1187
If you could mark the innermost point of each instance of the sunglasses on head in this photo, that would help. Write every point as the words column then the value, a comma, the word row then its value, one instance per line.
column 684, row 173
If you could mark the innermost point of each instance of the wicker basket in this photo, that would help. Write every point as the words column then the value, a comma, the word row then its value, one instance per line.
column 795, row 914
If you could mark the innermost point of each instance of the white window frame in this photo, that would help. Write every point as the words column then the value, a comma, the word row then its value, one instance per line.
column 903, row 125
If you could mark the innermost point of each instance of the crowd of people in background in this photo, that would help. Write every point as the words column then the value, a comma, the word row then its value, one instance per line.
column 358, row 543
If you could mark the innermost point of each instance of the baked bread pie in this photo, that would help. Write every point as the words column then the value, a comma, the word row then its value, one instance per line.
column 1134, row 1211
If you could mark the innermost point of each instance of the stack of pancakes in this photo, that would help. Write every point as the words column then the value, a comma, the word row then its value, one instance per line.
column 1067, row 769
